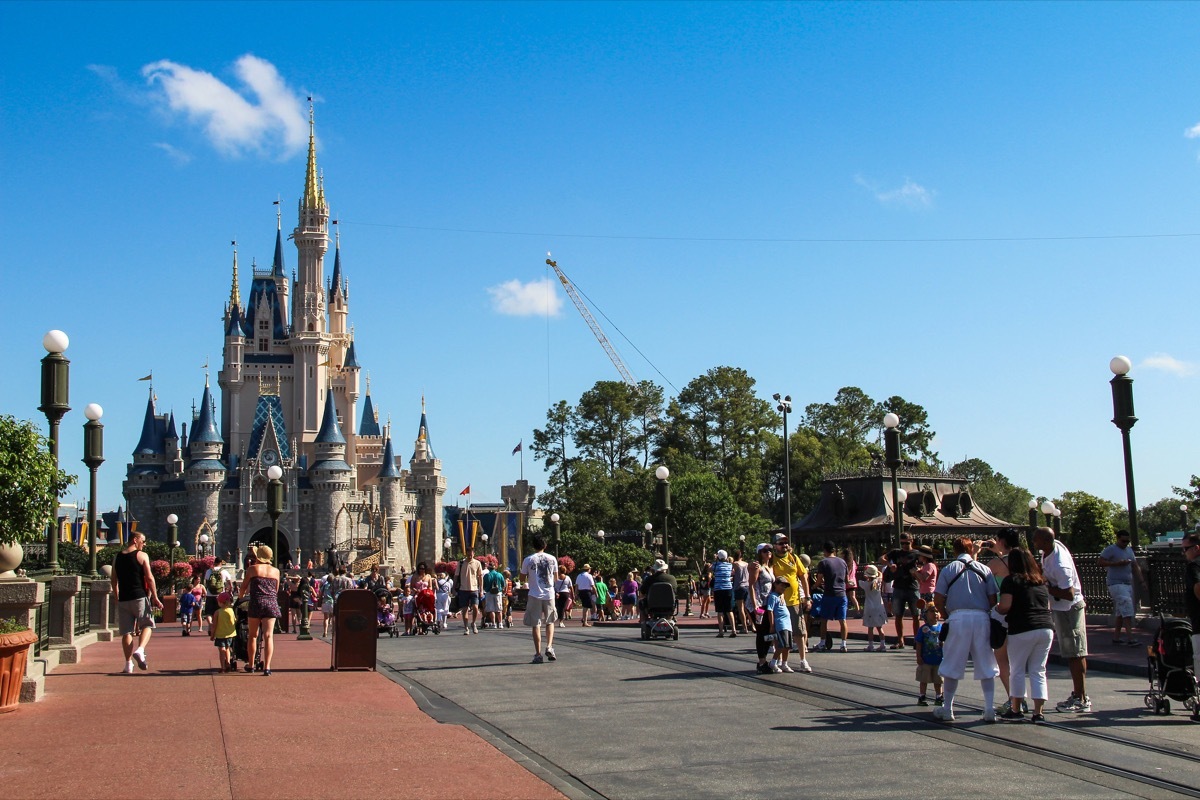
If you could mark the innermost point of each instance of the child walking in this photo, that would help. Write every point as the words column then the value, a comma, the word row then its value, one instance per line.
column 781, row 623
column 874, row 614
column 929, row 655
column 223, row 630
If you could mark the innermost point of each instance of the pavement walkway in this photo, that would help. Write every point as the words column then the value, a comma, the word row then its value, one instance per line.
column 183, row 730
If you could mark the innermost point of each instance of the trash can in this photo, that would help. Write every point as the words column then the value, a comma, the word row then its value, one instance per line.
column 354, row 635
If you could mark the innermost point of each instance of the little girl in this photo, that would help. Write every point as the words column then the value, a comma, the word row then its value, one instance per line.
column 874, row 613
column 409, row 608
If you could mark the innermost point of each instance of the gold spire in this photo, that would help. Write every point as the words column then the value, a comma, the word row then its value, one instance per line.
column 235, row 295
column 312, row 197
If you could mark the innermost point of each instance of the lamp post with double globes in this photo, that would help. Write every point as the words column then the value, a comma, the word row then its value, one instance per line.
column 447, row 544
column 204, row 544
column 554, row 520
column 274, row 508
column 891, row 447
column 1123, row 418
column 663, row 492
column 56, row 385
column 93, row 457
column 784, row 406
column 1048, row 512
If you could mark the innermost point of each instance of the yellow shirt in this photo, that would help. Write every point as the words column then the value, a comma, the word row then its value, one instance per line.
column 224, row 624
column 789, row 566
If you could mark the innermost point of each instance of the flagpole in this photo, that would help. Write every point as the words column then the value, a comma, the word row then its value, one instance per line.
column 522, row 459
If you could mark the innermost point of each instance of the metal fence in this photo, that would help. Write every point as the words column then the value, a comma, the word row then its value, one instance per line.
column 41, row 624
column 1165, row 575
column 83, row 608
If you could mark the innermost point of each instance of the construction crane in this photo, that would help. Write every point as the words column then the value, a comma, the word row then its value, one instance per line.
column 597, row 331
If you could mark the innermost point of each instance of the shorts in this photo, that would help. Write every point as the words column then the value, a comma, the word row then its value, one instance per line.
column 783, row 641
column 799, row 622
column 224, row 643
column 969, row 639
column 928, row 673
column 540, row 611
column 587, row 598
column 467, row 599
column 1122, row 597
column 327, row 608
column 906, row 598
column 723, row 600
column 629, row 600
column 1070, row 631
column 210, row 606
column 833, row 607
column 491, row 603
column 741, row 594
column 132, row 612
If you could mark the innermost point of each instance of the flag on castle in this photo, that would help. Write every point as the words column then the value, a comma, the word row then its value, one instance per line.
column 465, row 491
column 519, row 447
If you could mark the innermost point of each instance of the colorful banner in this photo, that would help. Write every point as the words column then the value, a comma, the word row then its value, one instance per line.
column 462, row 536
column 412, row 529
column 506, row 533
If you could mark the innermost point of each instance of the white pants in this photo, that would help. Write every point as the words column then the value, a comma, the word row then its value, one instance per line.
column 970, row 638
column 1027, row 654
column 442, row 608
column 1196, row 654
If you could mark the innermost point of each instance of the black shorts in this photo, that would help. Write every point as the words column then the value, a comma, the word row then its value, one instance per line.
column 210, row 606
column 587, row 599
column 723, row 600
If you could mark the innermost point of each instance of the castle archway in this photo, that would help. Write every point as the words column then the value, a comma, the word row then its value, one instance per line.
column 263, row 536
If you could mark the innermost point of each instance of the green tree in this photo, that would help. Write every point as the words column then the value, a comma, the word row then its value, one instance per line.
column 1091, row 526
column 552, row 445
column 1162, row 516
column 1070, row 503
column 29, row 483
column 628, row 558
column 807, row 466
column 704, row 515
column 605, row 426
column 845, row 426
column 993, row 492
column 648, row 417
column 915, row 434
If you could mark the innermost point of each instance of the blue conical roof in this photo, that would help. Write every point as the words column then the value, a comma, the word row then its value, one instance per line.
column 204, row 429
column 234, row 328
column 330, row 433
column 277, row 264
column 369, row 425
column 171, row 434
column 389, row 461
column 335, row 283
column 150, row 442
column 351, row 358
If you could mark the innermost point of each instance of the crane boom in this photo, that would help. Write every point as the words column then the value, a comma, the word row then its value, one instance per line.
column 597, row 331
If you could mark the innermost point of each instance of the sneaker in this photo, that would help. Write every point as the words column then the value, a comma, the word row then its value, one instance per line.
column 1075, row 705
column 720, row 634
column 943, row 714
column 732, row 635
column 939, row 700
column 537, row 659
column 466, row 631
column 776, row 668
column 128, row 670
column 1037, row 718
column 550, row 654
column 989, row 718
column 1003, row 708
column 473, row 628
column 786, row 667
column 1024, row 706
column 820, row 648
column 922, row 701
column 804, row 666
column 762, row 669
column 842, row 649
column 139, row 657
column 1011, row 716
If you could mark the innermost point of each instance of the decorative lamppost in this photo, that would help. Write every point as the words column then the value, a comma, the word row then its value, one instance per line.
column 648, row 538
column 664, row 505
column 1033, row 509
column 554, row 520
column 742, row 543
column 274, row 508
column 1056, row 523
column 484, row 537
column 203, row 545
column 173, row 540
column 56, row 381
column 784, row 406
column 1123, row 418
column 1183, row 517
column 600, row 536
column 447, row 544
column 891, row 447
column 93, row 456
column 1048, row 511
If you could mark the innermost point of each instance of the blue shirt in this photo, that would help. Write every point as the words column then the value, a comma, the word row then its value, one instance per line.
column 776, row 608
column 722, row 572
column 929, row 645
column 1123, row 573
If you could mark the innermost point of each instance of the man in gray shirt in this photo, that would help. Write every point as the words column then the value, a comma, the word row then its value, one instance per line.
column 1121, row 564
column 965, row 594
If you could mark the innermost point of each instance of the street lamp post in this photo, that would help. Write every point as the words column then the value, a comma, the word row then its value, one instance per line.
column 600, row 536
column 203, row 545
column 664, row 505
column 1056, row 523
column 1123, row 418
column 447, row 544
column 274, row 508
column 891, row 447
column 486, row 549
column 1183, row 517
column 56, row 380
column 1048, row 512
column 784, row 406
column 173, row 540
column 93, row 457
column 554, row 520
column 648, row 538
column 1033, row 509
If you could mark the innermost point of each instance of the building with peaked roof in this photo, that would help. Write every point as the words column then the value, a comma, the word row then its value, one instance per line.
column 289, row 396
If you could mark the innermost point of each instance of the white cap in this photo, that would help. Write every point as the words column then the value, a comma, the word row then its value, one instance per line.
column 722, row 555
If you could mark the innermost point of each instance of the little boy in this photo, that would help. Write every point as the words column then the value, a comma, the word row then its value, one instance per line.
column 929, row 654
column 782, row 623
column 187, row 608
column 223, row 630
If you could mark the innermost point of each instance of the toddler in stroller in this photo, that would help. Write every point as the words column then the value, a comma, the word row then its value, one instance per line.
column 424, row 617
column 385, row 614
column 1171, row 669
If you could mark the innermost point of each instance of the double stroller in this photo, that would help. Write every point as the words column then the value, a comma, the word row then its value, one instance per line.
column 385, row 615
column 1170, row 668
column 659, row 619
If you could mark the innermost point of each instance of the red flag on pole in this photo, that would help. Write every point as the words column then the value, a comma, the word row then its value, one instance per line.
column 466, row 490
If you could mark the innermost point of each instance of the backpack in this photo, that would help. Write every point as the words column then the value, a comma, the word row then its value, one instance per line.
column 215, row 583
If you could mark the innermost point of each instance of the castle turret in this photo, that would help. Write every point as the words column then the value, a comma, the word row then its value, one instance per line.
column 426, row 481
column 146, row 472
column 330, row 479
column 205, row 472
column 391, row 501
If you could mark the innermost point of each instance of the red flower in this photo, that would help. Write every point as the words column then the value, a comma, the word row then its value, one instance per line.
column 160, row 569
column 567, row 563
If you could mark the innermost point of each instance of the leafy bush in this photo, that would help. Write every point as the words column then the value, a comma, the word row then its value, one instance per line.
column 10, row 625
column 72, row 560
column 567, row 563
column 160, row 569
column 29, row 483
column 448, row 567
column 181, row 569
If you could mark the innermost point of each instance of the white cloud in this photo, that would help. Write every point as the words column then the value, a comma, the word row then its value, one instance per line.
column 263, row 115
column 173, row 152
column 1166, row 363
column 534, row 299
column 1193, row 132
column 910, row 195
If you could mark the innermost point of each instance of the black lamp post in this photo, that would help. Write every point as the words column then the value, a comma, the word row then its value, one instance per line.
column 1056, row 523
column 1048, row 512
column 1183, row 517
column 173, row 540
column 93, row 456
column 274, row 508
column 784, row 406
column 891, row 449
column 56, row 384
column 1033, row 520
column 663, row 493
column 554, row 520
column 1123, row 418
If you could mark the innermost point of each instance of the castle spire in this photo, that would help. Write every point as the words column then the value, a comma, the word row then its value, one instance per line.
column 335, row 283
column 150, row 443
column 389, row 461
column 235, row 294
column 204, row 429
column 277, row 264
column 312, row 191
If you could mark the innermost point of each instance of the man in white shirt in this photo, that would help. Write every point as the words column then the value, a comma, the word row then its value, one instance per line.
column 585, row 590
column 539, row 571
column 1068, row 609
column 965, row 593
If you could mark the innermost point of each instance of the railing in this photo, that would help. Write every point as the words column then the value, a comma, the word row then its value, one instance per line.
column 1165, row 575
column 41, row 624
column 83, row 608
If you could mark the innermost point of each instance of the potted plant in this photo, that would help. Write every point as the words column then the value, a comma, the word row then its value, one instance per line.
column 30, row 486
column 15, row 640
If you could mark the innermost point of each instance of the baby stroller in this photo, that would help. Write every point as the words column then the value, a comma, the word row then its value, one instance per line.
column 425, row 618
column 385, row 615
column 660, row 613
column 1170, row 668
column 241, row 640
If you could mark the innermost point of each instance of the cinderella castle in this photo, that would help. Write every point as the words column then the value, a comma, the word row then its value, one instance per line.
column 290, row 390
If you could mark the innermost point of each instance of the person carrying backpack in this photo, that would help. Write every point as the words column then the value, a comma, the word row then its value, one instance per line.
column 216, row 580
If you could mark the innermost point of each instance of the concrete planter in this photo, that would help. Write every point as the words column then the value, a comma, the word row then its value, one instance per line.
column 14, row 652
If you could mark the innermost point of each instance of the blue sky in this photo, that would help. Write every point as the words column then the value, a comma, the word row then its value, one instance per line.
column 971, row 205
